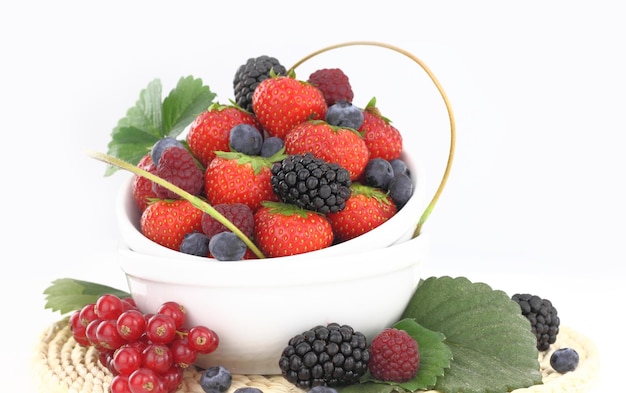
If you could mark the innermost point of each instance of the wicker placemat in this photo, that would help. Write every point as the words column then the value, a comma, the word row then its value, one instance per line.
column 61, row 365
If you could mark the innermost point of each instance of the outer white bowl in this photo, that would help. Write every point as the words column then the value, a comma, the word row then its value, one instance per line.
column 257, row 306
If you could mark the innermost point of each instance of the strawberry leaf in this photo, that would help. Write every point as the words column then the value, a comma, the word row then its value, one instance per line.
column 153, row 118
column 493, row 347
column 67, row 294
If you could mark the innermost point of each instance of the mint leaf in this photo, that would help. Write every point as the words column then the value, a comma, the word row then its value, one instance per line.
column 67, row 294
column 153, row 118
column 492, row 344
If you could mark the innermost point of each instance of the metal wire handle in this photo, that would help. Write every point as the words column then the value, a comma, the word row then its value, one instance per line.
column 446, row 102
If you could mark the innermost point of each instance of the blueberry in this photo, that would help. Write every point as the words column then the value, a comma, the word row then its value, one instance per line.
column 161, row 145
column 344, row 114
column 399, row 167
column 227, row 246
column 246, row 139
column 248, row 389
column 216, row 379
column 400, row 189
column 564, row 359
column 271, row 146
column 322, row 389
column 195, row 243
column 378, row 173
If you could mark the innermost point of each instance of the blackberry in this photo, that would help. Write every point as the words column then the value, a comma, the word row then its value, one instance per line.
column 311, row 183
column 543, row 317
column 331, row 355
column 250, row 74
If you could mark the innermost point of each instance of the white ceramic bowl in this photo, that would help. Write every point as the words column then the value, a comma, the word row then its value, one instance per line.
column 257, row 306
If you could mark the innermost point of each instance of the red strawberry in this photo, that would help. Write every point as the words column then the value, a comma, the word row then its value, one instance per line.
column 281, row 102
column 382, row 139
column 342, row 146
column 210, row 131
column 167, row 221
column 282, row 229
column 178, row 167
column 366, row 209
column 142, row 186
column 333, row 83
column 234, row 177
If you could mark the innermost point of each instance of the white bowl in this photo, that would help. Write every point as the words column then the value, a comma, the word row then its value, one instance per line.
column 397, row 229
column 256, row 306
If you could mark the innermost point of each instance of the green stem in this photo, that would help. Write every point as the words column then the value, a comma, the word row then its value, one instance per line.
column 194, row 200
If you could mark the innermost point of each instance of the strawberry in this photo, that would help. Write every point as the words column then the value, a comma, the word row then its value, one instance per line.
column 382, row 139
column 339, row 145
column 167, row 221
column 366, row 209
column 210, row 131
column 281, row 102
column 234, row 177
column 282, row 229
column 142, row 186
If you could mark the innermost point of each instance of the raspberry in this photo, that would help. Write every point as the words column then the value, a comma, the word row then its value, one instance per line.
column 543, row 318
column 333, row 83
column 394, row 356
column 238, row 213
column 178, row 167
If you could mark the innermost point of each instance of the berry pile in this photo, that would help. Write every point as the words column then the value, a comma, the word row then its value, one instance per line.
column 253, row 154
column 144, row 352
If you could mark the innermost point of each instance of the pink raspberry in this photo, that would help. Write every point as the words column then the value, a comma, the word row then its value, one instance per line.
column 394, row 356
column 333, row 83
column 238, row 213
column 178, row 167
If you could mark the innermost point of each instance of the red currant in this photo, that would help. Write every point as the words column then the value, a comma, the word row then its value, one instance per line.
column 157, row 357
column 119, row 384
column 174, row 310
column 78, row 330
column 173, row 378
column 88, row 314
column 107, row 335
column 203, row 339
column 131, row 325
column 161, row 329
column 144, row 380
column 126, row 360
column 183, row 353
column 109, row 306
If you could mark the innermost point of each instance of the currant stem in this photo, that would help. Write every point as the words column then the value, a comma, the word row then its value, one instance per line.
column 194, row 200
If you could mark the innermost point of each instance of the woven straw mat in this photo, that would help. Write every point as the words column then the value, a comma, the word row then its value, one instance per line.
column 61, row 365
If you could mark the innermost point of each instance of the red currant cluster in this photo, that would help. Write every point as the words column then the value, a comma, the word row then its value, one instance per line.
column 146, row 353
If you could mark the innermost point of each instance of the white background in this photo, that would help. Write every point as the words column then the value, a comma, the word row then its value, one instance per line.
column 535, row 200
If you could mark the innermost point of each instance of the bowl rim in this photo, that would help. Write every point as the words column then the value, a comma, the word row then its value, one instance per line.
column 272, row 272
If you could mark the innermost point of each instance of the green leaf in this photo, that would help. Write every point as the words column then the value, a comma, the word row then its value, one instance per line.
column 67, row 294
column 153, row 118
column 492, row 344
column 435, row 357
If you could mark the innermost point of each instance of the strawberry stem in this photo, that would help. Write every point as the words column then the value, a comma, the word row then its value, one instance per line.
column 195, row 201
